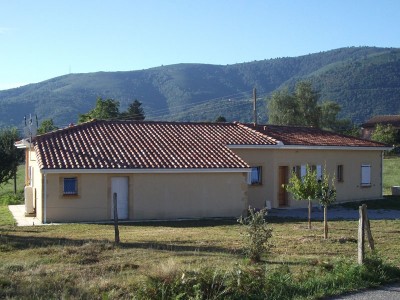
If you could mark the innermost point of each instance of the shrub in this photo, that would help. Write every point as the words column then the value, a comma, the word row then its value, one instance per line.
column 12, row 199
column 256, row 234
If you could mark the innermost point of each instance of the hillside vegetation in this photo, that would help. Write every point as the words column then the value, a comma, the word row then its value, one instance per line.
column 365, row 81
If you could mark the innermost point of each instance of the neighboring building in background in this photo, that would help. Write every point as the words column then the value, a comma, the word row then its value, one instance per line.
column 368, row 127
column 168, row 170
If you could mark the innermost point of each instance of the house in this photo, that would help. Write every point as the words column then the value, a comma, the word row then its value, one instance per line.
column 167, row 170
column 368, row 127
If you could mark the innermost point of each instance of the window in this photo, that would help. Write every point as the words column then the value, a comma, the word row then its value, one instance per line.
column 70, row 186
column 339, row 173
column 255, row 176
column 301, row 171
column 318, row 170
column 30, row 176
column 365, row 175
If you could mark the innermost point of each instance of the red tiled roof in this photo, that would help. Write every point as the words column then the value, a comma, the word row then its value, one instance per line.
column 169, row 145
column 384, row 120
column 145, row 145
column 308, row 136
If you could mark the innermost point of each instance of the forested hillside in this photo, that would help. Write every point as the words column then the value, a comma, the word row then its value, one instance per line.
column 364, row 80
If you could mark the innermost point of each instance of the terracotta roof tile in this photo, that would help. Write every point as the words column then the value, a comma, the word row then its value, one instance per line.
column 145, row 145
column 384, row 120
column 308, row 136
column 169, row 145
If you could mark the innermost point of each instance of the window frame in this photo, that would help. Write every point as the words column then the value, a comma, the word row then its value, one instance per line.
column 258, row 180
column 301, row 170
column 75, row 190
column 339, row 172
column 365, row 175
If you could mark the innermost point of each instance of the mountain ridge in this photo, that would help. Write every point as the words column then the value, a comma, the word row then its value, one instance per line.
column 363, row 80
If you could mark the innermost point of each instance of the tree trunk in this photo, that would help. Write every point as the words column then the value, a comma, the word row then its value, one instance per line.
column 309, row 214
column 325, row 222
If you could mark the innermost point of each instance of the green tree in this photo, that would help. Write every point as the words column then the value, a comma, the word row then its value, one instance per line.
column 385, row 134
column 134, row 111
column 329, row 118
column 47, row 126
column 326, row 195
column 283, row 108
column 304, row 188
column 307, row 100
column 104, row 110
column 10, row 156
column 352, row 130
column 220, row 119
column 302, row 108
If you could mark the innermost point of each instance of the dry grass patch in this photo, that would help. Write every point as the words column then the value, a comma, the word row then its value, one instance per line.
column 81, row 260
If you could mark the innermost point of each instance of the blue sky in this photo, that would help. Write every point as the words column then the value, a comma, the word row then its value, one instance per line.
column 43, row 39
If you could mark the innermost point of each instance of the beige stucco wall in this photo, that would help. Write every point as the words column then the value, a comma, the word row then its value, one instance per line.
column 349, row 189
column 36, row 181
column 151, row 196
column 170, row 196
column 91, row 203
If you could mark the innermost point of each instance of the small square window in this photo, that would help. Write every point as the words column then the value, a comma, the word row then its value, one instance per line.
column 340, row 173
column 70, row 186
column 255, row 176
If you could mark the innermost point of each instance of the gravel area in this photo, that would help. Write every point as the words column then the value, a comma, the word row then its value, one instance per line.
column 390, row 292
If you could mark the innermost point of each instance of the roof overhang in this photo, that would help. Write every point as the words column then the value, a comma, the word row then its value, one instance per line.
column 145, row 171
column 23, row 144
column 303, row 147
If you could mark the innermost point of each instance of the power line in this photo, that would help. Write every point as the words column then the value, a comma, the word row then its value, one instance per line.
column 218, row 103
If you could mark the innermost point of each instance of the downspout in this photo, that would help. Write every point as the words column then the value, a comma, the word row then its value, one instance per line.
column 44, row 198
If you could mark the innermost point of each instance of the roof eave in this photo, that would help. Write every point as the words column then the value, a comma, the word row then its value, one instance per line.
column 23, row 144
column 308, row 147
column 145, row 171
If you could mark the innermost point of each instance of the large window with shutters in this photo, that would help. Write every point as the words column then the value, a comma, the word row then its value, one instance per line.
column 365, row 175
column 301, row 171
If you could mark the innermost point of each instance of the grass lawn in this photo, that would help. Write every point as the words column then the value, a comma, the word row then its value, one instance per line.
column 7, row 189
column 391, row 174
column 81, row 259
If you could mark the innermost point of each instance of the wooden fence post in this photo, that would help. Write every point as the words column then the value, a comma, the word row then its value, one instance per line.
column 363, row 225
column 116, row 218
column 361, row 236
column 325, row 221
column 368, row 229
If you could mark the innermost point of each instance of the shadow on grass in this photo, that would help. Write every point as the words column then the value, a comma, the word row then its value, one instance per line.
column 194, row 223
column 388, row 202
column 10, row 242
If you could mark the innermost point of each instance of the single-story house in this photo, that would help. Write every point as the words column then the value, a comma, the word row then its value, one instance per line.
column 171, row 170
column 368, row 127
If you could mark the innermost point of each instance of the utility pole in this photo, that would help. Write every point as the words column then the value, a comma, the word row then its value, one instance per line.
column 255, row 105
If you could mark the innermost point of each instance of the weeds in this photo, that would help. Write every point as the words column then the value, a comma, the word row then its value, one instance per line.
column 256, row 234
column 259, row 283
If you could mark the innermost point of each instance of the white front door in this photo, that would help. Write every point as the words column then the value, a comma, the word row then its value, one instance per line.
column 119, row 185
